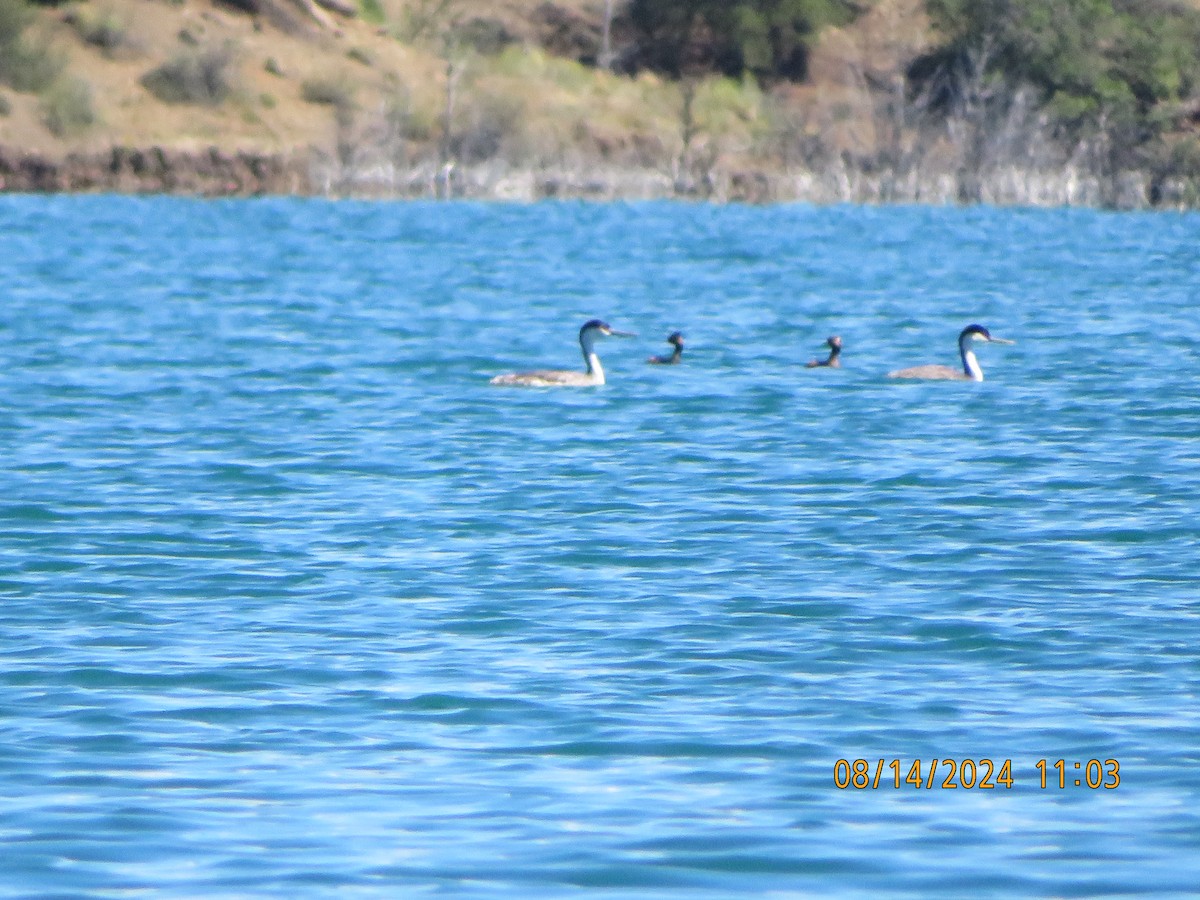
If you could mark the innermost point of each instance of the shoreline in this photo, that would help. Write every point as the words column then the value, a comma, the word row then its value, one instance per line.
column 156, row 170
column 215, row 172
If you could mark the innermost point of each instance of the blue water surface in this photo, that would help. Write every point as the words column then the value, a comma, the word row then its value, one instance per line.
column 293, row 602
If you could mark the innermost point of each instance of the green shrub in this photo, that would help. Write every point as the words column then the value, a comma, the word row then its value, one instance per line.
column 422, row 19
column 334, row 90
column 372, row 12
column 409, row 121
column 33, row 66
column 490, row 127
column 5, row 106
column 27, row 65
column 725, row 105
column 205, row 76
column 15, row 17
column 67, row 107
column 104, row 29
column 483, row 35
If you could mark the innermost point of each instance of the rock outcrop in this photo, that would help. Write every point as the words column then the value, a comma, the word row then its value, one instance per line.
column 157, row 170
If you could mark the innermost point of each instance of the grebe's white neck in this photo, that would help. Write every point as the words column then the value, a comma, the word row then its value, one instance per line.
column 970, row 363
column 595, row 371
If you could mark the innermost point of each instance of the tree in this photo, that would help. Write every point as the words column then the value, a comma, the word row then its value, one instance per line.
column 1091, row 60
column 766, row 38
column 604, row 59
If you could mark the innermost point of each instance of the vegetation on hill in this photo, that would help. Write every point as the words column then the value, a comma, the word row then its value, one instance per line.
column 1009, row 101
column 1123, row 75
column 768, row 38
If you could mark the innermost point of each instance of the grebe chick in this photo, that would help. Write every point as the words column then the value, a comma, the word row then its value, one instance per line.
column 594, row 375
column 676, row 340
column 970, row 365
column 835, row 351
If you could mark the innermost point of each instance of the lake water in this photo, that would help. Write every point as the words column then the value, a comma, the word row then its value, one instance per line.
column 293, row 602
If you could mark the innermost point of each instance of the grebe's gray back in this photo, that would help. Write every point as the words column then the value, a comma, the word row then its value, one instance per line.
column 970, row 370
column 835, row 351
column 675, row 339
column 588, row 334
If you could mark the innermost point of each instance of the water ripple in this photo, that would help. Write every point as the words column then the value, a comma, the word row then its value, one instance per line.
column 295, row 601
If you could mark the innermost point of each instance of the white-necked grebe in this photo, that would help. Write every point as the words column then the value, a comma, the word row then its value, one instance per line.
column 588, row 335
column 970, row 365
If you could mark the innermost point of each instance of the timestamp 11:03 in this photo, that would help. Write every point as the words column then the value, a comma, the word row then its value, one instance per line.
column 978, row 774
column 1093, row 773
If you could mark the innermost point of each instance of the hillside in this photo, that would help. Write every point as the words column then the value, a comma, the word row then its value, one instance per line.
column 499, row 99
column 268, row 67
column 322, row 91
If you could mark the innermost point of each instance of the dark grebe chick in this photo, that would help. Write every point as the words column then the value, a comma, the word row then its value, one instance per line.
column 676, row 340
column 970, row 365
column 835, row 351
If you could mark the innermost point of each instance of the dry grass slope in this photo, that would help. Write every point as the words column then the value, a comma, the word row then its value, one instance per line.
column 391, row 100
column 360, row 95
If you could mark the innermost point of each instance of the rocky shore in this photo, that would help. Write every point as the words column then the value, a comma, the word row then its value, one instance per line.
column 220, row 173
column 230, row 173
column 208, row 173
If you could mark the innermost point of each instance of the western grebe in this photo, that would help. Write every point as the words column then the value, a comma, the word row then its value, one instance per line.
column 569, row 377
column 675, row 339
column 835, row 350
column 970, row 365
